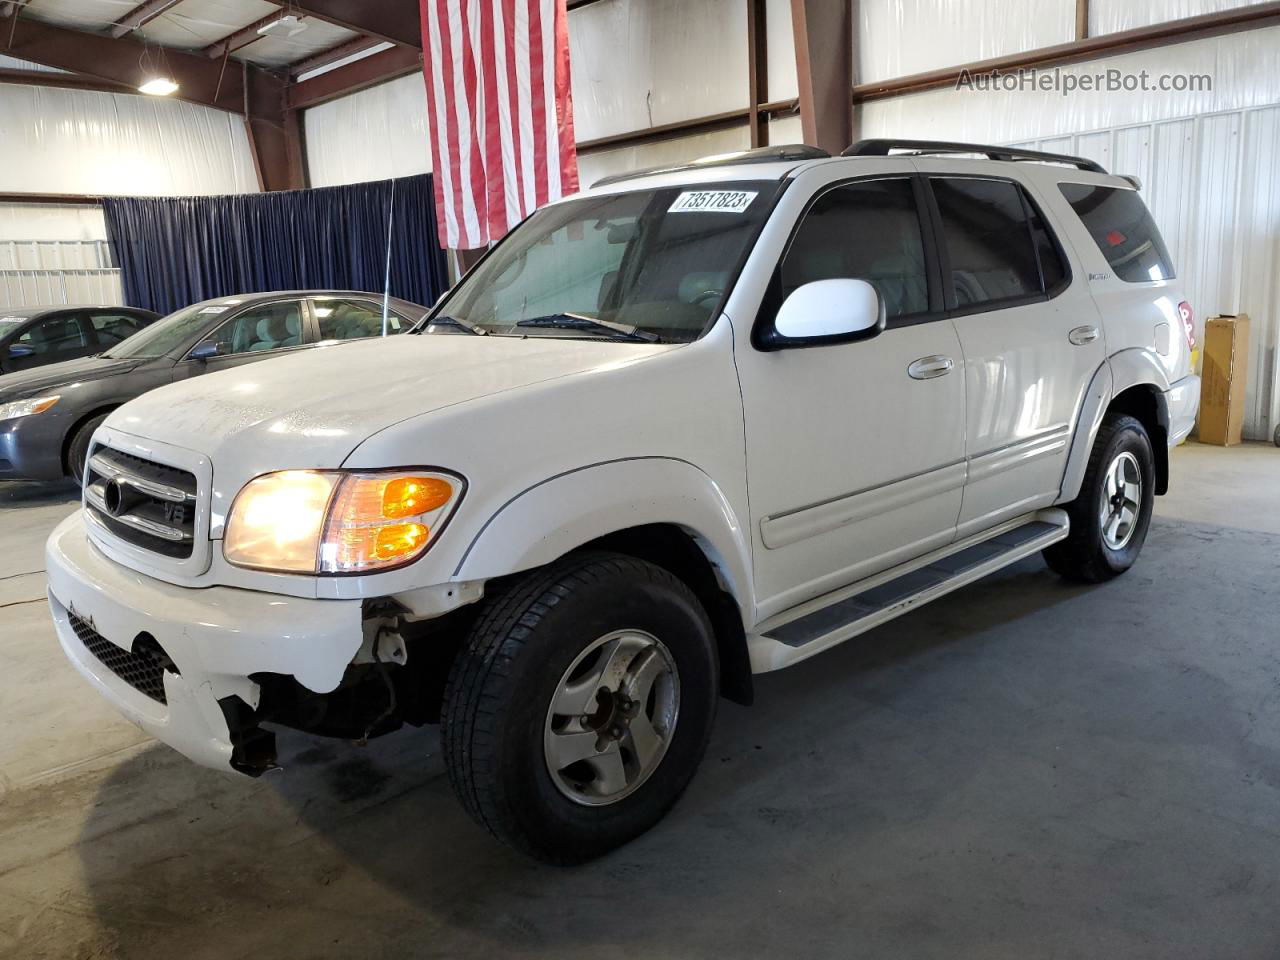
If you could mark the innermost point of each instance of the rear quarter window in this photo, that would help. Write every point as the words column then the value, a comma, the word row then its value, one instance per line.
column 1121, row 226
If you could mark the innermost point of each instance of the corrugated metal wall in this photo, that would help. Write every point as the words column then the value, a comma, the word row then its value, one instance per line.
column 1213, row 184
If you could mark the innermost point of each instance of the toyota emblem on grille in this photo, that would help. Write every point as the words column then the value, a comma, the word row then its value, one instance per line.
column 113, row 497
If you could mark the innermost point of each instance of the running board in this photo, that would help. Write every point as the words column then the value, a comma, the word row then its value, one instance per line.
column 819, row 624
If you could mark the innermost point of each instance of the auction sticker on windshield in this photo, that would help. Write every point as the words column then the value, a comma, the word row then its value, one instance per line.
column 712, row 201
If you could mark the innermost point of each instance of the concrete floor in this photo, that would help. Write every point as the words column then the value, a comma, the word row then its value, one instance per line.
column 1023, row 769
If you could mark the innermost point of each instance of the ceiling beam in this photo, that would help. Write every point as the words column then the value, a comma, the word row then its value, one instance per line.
column 367, row 72
column 73, row 81
column 340, row 52
column 120, row 61
column 240, row 38
column 140, row 15
column 395, row 21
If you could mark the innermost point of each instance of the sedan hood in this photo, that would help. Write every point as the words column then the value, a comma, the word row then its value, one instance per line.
column 27, row 383
column 311, row 409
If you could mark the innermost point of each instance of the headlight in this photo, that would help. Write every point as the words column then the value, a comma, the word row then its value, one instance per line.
column 24, row 408
column 308, row 521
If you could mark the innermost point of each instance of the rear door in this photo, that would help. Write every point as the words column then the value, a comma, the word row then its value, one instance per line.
column 352, row 318
column 110, row 327
column 1031, row 339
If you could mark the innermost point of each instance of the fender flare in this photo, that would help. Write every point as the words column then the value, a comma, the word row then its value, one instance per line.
column 1121, row 371
column 549, row 519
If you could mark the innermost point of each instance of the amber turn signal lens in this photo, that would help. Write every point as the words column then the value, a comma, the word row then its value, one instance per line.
column 414, row 496
column 400, row 540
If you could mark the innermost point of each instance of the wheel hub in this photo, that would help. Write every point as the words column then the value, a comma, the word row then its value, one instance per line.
column 611, row 718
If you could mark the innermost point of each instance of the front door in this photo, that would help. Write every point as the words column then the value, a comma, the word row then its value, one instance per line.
column 54, row 338
column 256, row 333
column 1031, row 340
column 855, row 452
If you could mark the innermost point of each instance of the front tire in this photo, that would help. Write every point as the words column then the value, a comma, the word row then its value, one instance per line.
column 1110, row 517
column 580, row 706
column 78, row 448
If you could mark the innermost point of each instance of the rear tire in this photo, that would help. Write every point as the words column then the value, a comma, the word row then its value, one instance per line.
column 1110, row 517
column 78, row 449
column 551, row 707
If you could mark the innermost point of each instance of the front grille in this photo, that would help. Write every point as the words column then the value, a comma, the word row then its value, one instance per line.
column 148, row 504
column 141, row 668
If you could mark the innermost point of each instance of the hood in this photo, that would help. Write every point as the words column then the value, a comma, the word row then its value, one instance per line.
column 313, row 408
column 26, row 383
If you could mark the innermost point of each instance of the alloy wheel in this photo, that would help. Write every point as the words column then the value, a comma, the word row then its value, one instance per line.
column 611, row 718
column 1121, row 501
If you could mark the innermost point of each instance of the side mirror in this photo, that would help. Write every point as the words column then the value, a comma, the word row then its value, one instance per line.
column 827, row 312
column 17, row 352
column 205, row 350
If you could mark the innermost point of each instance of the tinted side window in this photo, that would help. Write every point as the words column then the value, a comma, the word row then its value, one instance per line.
column 984, row 225
column 57, row 334
column 353, row 319
column 1122, row 228
column 111, row 328
column 269, row 327
column 869, row 231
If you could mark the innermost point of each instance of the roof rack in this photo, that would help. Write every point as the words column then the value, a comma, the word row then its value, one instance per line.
column 881, row 148
column 790, row 151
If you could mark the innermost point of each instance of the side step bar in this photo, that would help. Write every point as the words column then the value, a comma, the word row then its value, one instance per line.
column 816, row 626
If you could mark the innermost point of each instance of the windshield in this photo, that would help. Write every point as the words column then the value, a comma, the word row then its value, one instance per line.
column 650, row 265
column 10, row 324
column 165, row 335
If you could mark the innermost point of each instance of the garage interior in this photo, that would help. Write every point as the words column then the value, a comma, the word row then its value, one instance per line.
column 1023, row 768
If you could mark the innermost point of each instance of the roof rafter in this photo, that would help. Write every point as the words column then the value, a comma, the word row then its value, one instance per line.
column 140, row 15
column 392, row 20
column 246, row 89
column 240, row 38
column 348, row 48
column 366, row 72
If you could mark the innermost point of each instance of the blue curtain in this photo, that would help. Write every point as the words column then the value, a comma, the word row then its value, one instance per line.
column 176, row 251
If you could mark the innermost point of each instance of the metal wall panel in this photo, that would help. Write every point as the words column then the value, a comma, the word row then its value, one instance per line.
column 37, row 288
column 643, row 63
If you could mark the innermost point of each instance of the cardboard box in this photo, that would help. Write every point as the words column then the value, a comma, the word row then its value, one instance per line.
column 1222, row 380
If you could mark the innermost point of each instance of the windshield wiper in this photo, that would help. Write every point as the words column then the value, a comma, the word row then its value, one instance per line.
column 466, row 325
column 577, row 321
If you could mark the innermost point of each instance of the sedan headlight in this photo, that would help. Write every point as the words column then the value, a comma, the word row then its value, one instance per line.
column 24, row 408
column 311, row 521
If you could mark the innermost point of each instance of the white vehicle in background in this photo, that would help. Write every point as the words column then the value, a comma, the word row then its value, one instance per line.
column 690, row 425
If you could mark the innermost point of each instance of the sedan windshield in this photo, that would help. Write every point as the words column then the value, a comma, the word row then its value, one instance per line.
column 650, row 265
column 166, row 335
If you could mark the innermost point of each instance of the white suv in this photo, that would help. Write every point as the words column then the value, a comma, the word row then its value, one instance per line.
column 687, row 426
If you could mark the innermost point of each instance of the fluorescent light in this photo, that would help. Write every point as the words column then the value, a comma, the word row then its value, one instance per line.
column 159, row 87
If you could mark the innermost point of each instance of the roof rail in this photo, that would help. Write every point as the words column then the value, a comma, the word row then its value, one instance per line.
column 790, row 151
column 881, row 148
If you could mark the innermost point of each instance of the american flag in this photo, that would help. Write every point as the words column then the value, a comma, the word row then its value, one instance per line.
column 500, row 113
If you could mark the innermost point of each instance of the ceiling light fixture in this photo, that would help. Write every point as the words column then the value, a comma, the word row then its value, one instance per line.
column 159, row 86
column 287, row 26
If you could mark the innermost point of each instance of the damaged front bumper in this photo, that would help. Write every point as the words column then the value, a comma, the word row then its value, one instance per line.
column 180, row 662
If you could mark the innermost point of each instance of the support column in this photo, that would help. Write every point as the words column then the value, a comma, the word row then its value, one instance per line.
column 279, row 151
column 823, row 31
column 758, row 70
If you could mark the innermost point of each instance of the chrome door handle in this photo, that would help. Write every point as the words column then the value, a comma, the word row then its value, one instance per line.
column 926, row 368
column 1082, row 335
